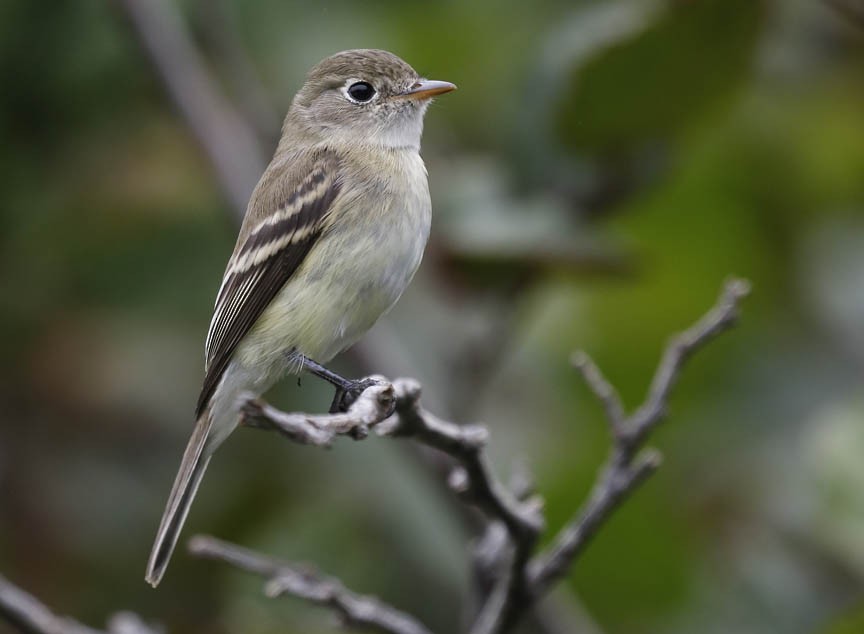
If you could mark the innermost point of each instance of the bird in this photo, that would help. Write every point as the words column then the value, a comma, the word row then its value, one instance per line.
column 333, row 233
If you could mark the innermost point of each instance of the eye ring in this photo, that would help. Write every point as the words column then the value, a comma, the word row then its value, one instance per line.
column 361, row 92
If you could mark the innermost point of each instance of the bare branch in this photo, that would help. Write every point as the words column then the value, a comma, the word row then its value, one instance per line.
column 26, row 613
column 228, row 140
column 513, row 577
column 720, row 318
column 626, row 468
column 614, row 485
column 32, row 617
column 472, row 479
column 464, row 443
column 602, row 389
column 374, row 405
column 356, row 610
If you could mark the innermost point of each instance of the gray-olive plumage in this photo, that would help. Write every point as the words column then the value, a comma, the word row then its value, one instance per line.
column 268, row 252
column 333, row 234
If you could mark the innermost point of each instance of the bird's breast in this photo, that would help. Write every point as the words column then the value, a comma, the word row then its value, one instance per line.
column 356, row 270
column 384, row 237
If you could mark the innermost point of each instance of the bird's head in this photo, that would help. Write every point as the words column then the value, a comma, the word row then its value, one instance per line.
column 365, row 95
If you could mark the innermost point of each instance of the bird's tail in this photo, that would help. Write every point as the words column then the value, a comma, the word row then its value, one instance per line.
column 192, row 468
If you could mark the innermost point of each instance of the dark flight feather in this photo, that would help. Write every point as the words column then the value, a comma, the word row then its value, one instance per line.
column 267, row 254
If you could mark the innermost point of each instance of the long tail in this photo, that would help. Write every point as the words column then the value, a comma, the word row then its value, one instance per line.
column 192, row 468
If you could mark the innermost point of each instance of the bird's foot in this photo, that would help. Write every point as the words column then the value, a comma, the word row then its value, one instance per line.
column 349, row 392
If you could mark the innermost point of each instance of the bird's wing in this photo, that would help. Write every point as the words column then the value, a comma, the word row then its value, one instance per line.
column 286, row 215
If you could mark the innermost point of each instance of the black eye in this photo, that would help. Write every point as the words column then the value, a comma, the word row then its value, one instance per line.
column 361, row 91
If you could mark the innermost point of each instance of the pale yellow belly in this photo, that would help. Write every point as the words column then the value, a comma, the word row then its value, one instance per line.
column 350, row 278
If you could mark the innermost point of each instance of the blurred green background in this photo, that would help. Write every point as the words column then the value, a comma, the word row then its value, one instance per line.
column 601, row 170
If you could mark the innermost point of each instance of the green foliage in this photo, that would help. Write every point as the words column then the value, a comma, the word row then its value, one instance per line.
column 647, row 85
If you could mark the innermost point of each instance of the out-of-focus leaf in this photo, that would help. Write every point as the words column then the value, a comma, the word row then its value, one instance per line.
column 641, row 87
column 491, row 236
column 851, row 623
column 834, row 276
column 832, row 475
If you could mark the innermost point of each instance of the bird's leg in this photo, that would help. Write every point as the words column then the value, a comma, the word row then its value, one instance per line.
column 347, row 390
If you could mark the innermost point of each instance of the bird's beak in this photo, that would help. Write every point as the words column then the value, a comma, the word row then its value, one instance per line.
column 428, row 88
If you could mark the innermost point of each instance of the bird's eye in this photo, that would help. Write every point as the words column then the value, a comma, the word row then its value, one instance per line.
column 361, row 91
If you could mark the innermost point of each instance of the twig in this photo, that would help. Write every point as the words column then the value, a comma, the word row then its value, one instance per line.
column 475, row 482
column 356, row 610
column 473, row 479
column 626, row 468
column 228, row 140
column 505, row 555
column 374, row 405
column 26, row 613
column 720, row 318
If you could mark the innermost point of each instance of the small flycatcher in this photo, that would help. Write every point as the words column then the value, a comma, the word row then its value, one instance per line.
column 333, row 234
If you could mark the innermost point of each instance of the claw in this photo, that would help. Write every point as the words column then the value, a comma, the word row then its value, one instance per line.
column 344, row 397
